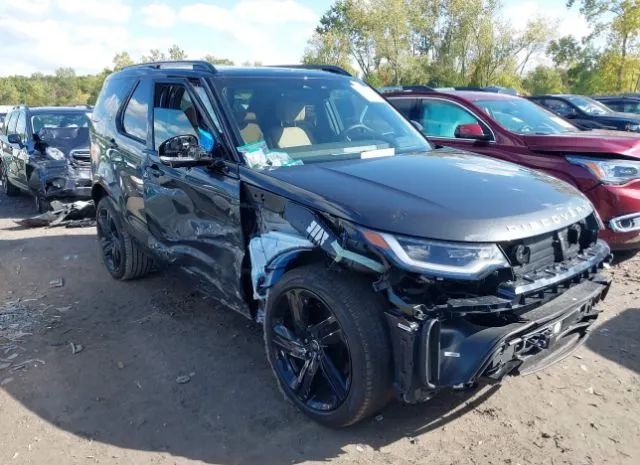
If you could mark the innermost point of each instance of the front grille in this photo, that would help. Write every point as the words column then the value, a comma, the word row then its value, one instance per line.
column 81, row 158
column 534, row 254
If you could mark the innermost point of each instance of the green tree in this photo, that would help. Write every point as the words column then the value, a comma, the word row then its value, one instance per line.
column 218, row 61
column 121, row 60
column 543, row 80
column 176, row 53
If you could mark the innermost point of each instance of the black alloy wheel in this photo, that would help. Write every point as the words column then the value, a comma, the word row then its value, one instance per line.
column 328, row 345
column 312, row 354
column 110, row 239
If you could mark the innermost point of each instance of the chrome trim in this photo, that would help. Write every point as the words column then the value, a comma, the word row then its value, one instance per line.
column 614, row 223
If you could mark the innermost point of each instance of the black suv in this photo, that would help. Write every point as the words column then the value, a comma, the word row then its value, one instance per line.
column 300, row 198
column 588, row 113
column 45, row 151
column 621, row 103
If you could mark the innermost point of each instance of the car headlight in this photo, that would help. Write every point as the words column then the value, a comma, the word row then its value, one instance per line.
column 609, row 171
column 457, row 260
column 55, row 153
column 635, row 127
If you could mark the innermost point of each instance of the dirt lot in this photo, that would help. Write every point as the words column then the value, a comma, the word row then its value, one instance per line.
column 116, row 399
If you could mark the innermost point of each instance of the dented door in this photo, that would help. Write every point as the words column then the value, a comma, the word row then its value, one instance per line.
column 193, row 215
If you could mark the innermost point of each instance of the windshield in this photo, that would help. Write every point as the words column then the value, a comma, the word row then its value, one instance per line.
column 589, row 105
column 286, row 121
column 59, row 120
column 66, row 131
column 524, row 117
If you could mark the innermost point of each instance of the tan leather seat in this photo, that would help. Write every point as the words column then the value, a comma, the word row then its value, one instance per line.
column 247, row 122
column 291, row 114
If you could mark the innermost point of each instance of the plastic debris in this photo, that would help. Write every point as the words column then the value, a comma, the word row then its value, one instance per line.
column 183, row 379
column 75, row 348
column 70, row 215
column 58, row 282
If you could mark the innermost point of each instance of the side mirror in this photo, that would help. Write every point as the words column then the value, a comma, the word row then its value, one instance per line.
column 14, row 139
column 471, row 131
column 183, row 151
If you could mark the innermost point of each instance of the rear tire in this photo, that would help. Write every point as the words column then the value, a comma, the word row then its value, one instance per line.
column 354, row 338
column 9, row 189
column 123, row 258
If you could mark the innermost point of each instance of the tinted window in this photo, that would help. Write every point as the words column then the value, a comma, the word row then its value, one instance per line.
column 406, row 106
column 615, row 106
column 557, row 106
column 588, row 105
column 135, row 114
column 175, row 114
column 21, row 126
column 631, row 107
column 109, row 101
column 11, row 124
column 440, row 119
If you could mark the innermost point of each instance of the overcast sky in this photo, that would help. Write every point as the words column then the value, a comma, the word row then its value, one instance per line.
column 41, row 35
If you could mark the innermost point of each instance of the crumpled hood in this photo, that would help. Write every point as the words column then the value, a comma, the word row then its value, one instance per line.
column 445, row 195
column 594, row 141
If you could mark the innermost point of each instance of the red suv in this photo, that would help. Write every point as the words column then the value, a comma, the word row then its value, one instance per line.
column 604, row 165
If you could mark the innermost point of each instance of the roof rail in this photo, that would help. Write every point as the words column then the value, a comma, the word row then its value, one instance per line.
column 416, row 88
column 177, row 64
column 328, row 68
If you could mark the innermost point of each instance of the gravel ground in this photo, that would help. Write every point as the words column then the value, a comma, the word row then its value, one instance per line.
column 89, row 374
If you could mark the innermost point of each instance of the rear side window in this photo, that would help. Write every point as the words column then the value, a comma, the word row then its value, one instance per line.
column 10, row 125
column 21, row 126
column 134, row 120
column 113, row 93
column 406, row 106
column 440, row 119
column 557, row 106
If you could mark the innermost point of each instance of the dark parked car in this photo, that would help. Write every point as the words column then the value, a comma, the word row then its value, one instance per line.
column 604, row 165
column 301, row 199
column 587, row 113
column 621, row 103
column 45, row 152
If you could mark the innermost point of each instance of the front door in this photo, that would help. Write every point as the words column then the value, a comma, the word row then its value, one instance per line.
column 193, row 214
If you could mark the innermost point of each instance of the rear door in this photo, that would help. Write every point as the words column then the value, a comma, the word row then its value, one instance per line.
column 193, row 213
column 6, row 150
column 127, row 155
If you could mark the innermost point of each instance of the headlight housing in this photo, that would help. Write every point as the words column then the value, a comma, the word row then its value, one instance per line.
column 456, row 260
column 55, row 153
column 635, row 127
column 609, row 171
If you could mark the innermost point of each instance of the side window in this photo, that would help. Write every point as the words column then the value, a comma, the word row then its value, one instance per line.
column 440, row 118
column 21, row 126
column 175, row 114
column 406, row 106
column 10, row 125
column 113, row 92
column 631, row 107
column 134, row 121
column 558, row 106
column 615, row 106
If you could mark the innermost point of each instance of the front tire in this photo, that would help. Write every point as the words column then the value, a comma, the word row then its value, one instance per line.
column 9, row 189
column 120, row 254
column 328, row 345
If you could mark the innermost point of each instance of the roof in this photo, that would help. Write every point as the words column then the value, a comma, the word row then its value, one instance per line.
column 202, row 67
column 471, row 96
column 78, row 109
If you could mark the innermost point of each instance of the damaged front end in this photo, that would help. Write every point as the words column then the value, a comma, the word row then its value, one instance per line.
column 58, row 176
column 458, row 312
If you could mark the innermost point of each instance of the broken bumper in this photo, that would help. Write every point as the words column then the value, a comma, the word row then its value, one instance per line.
column 454, row 352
